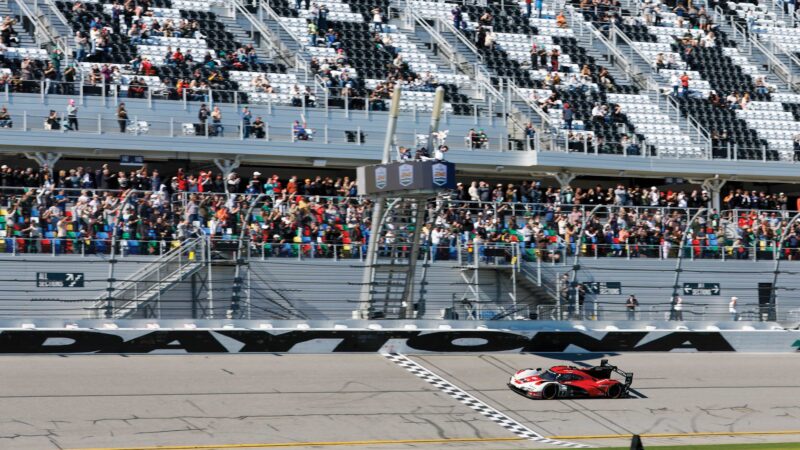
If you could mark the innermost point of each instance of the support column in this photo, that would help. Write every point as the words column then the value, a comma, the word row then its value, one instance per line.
column 563, row 178
column 714, row 188
column 227, row 167
column 45, row 160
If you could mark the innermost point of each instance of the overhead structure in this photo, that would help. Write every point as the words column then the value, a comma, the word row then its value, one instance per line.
column 400, row 191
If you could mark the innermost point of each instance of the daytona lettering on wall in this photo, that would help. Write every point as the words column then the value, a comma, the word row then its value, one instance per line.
column 405, row 341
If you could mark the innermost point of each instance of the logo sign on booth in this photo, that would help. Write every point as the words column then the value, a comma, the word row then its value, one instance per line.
column 380, row 177
column 400, row 177
column 406, row 174
column 439, row 174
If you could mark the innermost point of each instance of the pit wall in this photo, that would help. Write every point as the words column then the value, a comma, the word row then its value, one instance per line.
column 140, row 337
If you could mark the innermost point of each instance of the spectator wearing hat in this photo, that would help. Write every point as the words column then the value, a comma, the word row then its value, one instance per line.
column 568, row 115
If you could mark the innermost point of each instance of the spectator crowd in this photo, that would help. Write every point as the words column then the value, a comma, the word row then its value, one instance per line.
column 88, row 206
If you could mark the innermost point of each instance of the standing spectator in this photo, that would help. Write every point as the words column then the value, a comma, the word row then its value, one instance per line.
column 530, row 135
column 457, row 18
column 528, row 5
column 81, row 45
column 630, row 305
column 676, row 312
column 581, row 294
column 569, row 115
column 377, row 20
column 312, row 33
column 202, row 116
column 72, row 116
column 247, row 116
column 675, row 82
column 539, row 6
column 69, row 80
column 685, row 84
column 50, row 76
column 122, row 117
column 216, row 122
column 732, row 309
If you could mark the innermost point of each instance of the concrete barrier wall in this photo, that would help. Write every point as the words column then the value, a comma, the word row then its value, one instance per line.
column 391, row 336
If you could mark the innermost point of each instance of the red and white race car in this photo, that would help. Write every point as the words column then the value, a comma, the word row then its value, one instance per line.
column 571, row 382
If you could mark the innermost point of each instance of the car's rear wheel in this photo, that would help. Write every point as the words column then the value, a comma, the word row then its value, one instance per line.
column 550, row 392
column 614, row 391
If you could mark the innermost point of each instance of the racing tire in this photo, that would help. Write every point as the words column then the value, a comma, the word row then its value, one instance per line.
column 550, row 392
column 614, row 391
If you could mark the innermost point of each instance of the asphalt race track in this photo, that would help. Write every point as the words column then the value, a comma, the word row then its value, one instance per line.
column 369, row 402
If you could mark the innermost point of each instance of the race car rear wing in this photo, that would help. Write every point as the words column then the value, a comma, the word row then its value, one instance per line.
column 627, row 375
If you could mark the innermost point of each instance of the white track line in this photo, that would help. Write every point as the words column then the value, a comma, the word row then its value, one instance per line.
column 462, row 396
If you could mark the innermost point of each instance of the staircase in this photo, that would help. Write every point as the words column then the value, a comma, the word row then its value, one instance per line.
column 11, row 9
column 392, row 274
column 134, row 296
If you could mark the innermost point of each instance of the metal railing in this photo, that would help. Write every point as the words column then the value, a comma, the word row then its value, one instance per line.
column 447, row 26
column 42, row 34
column 689, row 312
column 750, row 42
column 151, row 281
column 292, row 58
column 227, row 130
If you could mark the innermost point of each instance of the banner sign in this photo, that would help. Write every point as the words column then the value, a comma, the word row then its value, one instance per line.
column 404, row 176
column 61, row 341
column 59, row 280
column 700, row 288
column 604, row 287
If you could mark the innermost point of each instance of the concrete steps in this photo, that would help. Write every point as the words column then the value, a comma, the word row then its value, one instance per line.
column 10, row 9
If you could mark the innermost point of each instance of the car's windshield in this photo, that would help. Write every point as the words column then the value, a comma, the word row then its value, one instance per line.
column 548, row 375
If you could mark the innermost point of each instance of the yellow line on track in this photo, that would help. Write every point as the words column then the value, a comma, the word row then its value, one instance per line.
column 312, row 444
column 441, row 441
column 691, row 434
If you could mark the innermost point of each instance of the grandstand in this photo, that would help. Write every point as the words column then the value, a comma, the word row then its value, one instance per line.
column 628, row 136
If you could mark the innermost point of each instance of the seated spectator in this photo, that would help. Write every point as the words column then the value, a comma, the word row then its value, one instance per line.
column 477, row 139
column 259, row 128
column 299, row 131
column 53, row 122
column 137, row 88
column 5, row 118
column 561, row 21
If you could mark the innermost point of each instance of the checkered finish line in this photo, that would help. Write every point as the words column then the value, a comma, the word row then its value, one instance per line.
column 462, row 396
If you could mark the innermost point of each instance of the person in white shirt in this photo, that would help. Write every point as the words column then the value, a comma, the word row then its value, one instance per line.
column 654, row 197
column 677, row 308
column 436, row 238
column 732, row 309
column 675, row 82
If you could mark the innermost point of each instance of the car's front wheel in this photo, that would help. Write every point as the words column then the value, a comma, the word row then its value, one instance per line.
column 614, row 391
column 550, row 392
